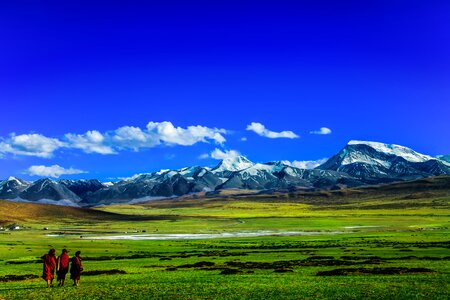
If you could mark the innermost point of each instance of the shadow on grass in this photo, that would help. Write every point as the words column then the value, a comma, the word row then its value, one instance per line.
column 24, row 288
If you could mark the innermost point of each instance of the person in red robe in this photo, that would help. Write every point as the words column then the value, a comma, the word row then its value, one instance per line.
column 49, row 261
column 62, row 267
column 76, row 268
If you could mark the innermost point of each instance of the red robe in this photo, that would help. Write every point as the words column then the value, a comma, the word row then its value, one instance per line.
column 62, row 266
column 76, row 268
column 49, row 266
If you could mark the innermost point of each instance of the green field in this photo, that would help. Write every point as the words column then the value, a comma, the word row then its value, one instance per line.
column 373, row 247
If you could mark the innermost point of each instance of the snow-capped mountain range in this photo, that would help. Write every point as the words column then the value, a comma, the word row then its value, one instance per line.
column 377, row 162
column 358, row 163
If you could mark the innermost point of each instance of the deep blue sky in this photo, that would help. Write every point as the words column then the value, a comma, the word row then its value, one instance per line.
column 370, row 70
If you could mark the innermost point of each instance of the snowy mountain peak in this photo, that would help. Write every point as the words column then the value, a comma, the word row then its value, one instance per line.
column 233, row 164
column 42, row 183
column 45, row 181
column 261, row 168
column 372, row 160
column 16, row 180
column 189, row 171
column 162, row 171
column 389, row 149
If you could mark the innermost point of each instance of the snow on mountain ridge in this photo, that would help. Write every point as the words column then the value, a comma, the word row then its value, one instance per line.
column 390, row 149
column 234, row 164
column 258, row 168
column 359, row 157
column 15, row 179
column 444, row 158
column 303, row 164
column 189, row 171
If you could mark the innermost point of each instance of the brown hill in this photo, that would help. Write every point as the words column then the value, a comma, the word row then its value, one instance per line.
column 18, row 211
column 28, row 212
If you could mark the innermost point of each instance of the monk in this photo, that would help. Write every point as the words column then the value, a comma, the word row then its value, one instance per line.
column 62, row 267
column 76, row 268
column 49, row 261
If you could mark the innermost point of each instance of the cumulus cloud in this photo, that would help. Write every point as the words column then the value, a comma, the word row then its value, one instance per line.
column 244, row 139
column 133, row 138
column 322, row 130
column 54, row 171
column 261, row 130
column 30, row 145
column 166, row 132
column 90, row 142
column 113, row 141
column 306, row 164
column 219, row 154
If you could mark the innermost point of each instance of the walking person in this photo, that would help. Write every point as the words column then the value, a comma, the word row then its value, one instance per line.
column 62, row 267
column 76, row 268
column 49, row 261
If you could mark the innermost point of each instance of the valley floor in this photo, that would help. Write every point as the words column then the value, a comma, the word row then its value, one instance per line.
column 378, row 253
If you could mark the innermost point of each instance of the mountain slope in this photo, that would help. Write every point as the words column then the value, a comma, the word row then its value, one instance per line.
column 377, row 162
column 48, row 189
column 229, row 165
column 164, row 183
column 445, row 158
column 12, row 187
column 277, row 175
column 82, row 188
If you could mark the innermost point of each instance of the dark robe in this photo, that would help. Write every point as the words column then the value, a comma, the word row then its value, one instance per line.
column 49, row 266
column 75, row 268
column 62, row 267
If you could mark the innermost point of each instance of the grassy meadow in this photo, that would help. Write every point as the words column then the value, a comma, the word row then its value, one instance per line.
column 371, row 246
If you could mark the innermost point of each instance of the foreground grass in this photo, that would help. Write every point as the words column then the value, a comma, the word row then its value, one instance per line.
column 408, row 248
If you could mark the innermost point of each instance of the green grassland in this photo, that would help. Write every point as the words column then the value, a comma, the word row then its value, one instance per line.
column 360, row 244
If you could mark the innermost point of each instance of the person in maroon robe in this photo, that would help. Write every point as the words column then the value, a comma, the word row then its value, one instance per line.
column 62, row 267
column 76, row 268
column 49, row 261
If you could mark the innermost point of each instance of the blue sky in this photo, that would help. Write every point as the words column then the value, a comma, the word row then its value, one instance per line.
column 76, row 77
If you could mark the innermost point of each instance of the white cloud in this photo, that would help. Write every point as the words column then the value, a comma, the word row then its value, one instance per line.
column 130, row 133
column 244, row 139
column 30, row 145
column 90, row 142
column 322, row 130
column 111, row 142
column 261, row 130
column 219, row 154
column 133, row 138
column 54, row 171
column 166, row 132
column 306, row 164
